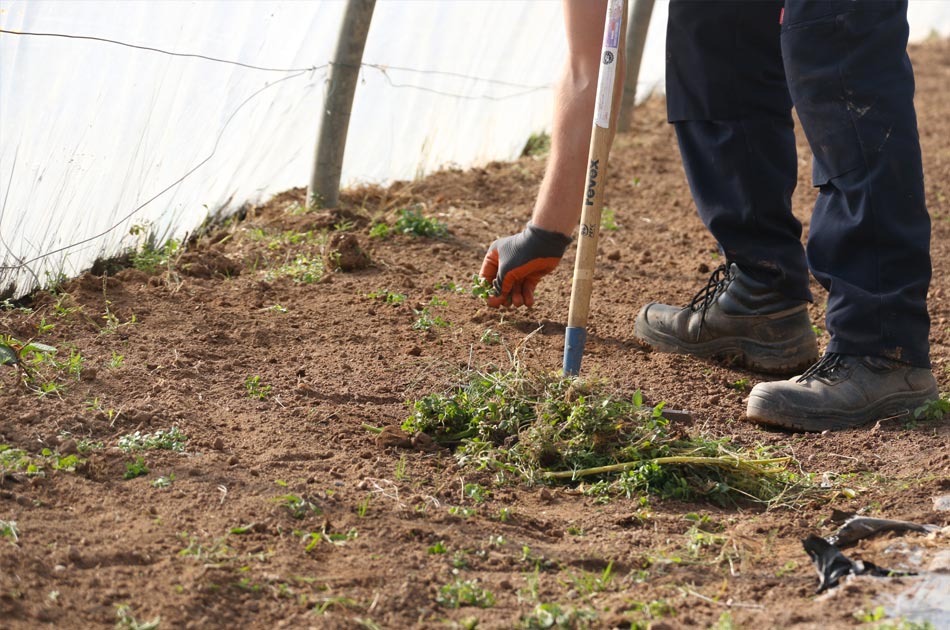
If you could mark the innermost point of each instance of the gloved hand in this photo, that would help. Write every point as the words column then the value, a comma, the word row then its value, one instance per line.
column 515, row 264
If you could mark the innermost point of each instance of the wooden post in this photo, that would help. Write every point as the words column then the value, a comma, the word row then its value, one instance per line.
column 324, row 188
column 636, row 41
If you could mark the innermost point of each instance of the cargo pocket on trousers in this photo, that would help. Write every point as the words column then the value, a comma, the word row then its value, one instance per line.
column 812, row 53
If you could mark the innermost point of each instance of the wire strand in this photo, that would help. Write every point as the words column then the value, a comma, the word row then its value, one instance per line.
column 296, row 72
column 158, row 50
column 138, row 208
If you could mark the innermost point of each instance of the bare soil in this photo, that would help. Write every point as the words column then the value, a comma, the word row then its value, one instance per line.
column 191, row 334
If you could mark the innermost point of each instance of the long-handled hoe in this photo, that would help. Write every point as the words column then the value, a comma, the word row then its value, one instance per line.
column 609, row 91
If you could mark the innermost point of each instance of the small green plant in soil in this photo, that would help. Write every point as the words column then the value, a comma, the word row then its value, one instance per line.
column 389, row 297
column 411, row 221
column 256, row 389
column 116, row 361
column 741, row 385
column 380, row 231
column 136, row 468
column 18, row 461
column 608, row 220
column 552, row 615
column 303, row 270
column 481, row 288
column 165, row 481
column 437, row 548
column 8, row 529
column 490, row 337
column 643, row 614
column 538, row 144
column 425, row 320
column 298, row 507
column 125, row 620
column 586, row 584
column 151, row 258
column 170, row 440
column 40, row 370
column 933, row 409
column 551, row 429
column 475, row 492
column 464, row 593
column 725, row 622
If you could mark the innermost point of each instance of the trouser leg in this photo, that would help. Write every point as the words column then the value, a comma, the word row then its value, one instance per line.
column 728, row 100
column 869, row 242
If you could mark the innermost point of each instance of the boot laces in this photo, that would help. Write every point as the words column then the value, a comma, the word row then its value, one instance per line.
column 825, row 367
column 705, row 297
column 716, row 284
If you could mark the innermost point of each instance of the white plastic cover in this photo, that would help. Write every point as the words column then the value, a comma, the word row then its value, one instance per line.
column 96, row 137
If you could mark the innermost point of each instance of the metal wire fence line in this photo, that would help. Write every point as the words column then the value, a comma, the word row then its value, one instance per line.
column 292, row 72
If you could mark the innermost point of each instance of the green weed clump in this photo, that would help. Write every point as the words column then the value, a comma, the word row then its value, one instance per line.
column 152, row 258
column 553, row 429
column 411, row 221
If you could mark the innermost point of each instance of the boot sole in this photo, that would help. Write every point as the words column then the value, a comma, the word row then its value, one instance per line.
column 765, row 409
column 787, row 357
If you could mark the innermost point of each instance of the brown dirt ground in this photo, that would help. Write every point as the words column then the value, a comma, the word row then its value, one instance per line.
column 90, row 540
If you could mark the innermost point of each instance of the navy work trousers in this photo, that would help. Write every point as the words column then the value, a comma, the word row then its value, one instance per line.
column 733, row 73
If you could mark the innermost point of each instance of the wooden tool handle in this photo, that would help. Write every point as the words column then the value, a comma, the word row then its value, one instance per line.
column 609, row 91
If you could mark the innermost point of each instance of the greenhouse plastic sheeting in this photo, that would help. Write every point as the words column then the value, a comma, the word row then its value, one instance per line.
column 98, row 138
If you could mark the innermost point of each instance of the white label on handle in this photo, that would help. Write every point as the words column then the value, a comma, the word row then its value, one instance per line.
column 613, row 39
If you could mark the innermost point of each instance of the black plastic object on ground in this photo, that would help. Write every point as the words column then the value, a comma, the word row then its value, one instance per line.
column 854, row 528
column 832, row 565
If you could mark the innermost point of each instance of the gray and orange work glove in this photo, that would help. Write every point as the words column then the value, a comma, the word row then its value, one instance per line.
column 515, row 264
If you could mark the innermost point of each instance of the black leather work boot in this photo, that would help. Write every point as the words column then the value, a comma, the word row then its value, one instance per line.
column 736, row 319
column 840, row 392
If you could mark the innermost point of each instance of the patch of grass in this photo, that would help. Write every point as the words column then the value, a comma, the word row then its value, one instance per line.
column 725, row 622
column 256, row 389
column 112, row 321
column 298, row 507
column 475, row 492
column 464, row 593
column 152, row 257
column 645, row 613
column 437, row 548
column 389, row 297
column 9, row 529
column 15, row 460
column 40, row 369
column 556, row 616
column 411, row 221
column 608, row 220
column 877, row 616
column 538, row 144
column 276, row 241
column 425, row 320
column 490, row 337
column 741, row 385
column 933, row 409
column 303, row 270
column 136, row 468
column 116, row 361
column 165, row 481
column 168, row 440
column 550, row 429
column 125, row 620
column 380, row 231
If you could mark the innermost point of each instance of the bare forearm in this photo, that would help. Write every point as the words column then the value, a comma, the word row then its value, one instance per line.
column 558, row 205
